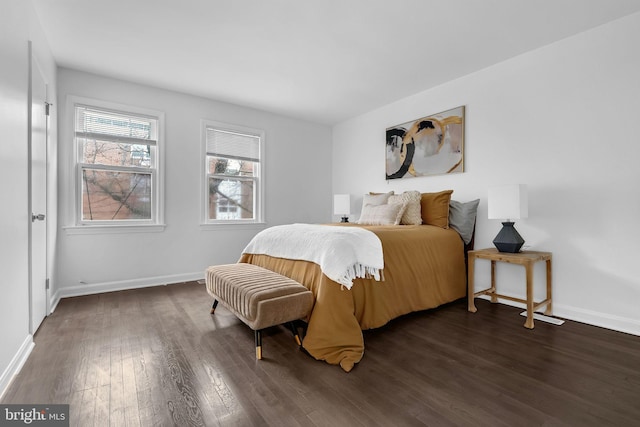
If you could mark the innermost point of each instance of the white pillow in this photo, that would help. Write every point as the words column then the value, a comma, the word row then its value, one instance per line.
column 375, row 199
column 381, row 214
column 413, row 212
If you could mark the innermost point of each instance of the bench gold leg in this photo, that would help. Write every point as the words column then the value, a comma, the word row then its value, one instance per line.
column 294, row 330
column 213, row 307
column 258, row 335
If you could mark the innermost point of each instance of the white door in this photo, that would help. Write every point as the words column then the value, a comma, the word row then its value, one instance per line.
column 38, row 195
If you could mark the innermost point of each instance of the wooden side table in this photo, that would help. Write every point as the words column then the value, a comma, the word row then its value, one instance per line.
column 524, row 258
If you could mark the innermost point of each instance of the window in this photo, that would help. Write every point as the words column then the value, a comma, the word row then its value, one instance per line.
column 233, row 173
column 117, row 162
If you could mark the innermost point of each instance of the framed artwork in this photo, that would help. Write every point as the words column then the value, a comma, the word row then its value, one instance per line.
column 432, row 145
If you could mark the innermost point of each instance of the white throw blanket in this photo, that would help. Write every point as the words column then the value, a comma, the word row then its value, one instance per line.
column 343, row 253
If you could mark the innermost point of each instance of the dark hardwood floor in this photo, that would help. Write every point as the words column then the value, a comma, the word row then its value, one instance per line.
column 156, row 357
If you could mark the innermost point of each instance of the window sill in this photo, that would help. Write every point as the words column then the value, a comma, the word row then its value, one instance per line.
column 234, row 225
column 112, row 229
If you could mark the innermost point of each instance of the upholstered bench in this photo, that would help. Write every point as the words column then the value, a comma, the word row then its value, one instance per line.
column 259, row 297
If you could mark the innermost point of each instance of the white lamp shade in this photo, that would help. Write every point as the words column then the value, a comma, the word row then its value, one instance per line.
column 342, row 204
column 508, row 202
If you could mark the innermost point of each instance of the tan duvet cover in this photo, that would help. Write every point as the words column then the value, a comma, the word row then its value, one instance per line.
column 424, row 268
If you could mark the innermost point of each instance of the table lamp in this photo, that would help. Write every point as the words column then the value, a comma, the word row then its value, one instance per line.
column 508, row 202
column 342, row 206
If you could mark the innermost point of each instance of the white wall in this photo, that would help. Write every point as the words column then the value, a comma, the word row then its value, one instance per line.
column 18, row 25
column 298, row 189
column 561, row 119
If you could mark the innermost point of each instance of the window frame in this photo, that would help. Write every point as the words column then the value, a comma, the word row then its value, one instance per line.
column 156, row 171
column 258, row 180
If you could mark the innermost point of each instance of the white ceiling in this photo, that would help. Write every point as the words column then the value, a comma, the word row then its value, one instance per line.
column 319, row 60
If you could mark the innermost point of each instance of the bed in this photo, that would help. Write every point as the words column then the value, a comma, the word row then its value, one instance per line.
column 424, row 267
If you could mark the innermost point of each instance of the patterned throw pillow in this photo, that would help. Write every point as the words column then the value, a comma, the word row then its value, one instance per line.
column 412, row 213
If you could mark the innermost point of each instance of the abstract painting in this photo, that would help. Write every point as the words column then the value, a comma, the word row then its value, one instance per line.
column 432, row 145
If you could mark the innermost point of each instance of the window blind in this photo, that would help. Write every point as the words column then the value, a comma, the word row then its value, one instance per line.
column 113, row 126
column 222, row 143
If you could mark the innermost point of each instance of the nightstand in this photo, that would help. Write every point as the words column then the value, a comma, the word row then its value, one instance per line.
column 524, row 258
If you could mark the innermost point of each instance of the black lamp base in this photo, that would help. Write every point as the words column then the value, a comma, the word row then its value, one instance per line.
column 345, row 219
column 508, row 239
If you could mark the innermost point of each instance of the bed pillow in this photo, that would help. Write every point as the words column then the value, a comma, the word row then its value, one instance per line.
column 435, row 208
column 381, row 214
column 411, row 215
column 462, row 218
column 375, row 199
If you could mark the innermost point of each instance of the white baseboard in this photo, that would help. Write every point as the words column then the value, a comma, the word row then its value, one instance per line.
column 122, row 285
column 603, row 320
column 16, row 364
column 53, row 302
column 590, row 317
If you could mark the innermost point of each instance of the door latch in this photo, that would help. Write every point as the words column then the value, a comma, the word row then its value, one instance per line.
column 39, row 217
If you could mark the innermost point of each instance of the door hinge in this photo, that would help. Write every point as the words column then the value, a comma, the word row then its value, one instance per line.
column 46, row 108
column 46, row 284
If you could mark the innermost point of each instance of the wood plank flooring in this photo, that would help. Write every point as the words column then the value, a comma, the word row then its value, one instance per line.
column 156, row 357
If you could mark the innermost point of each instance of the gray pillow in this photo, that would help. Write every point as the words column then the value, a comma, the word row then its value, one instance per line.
column 462, row 218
